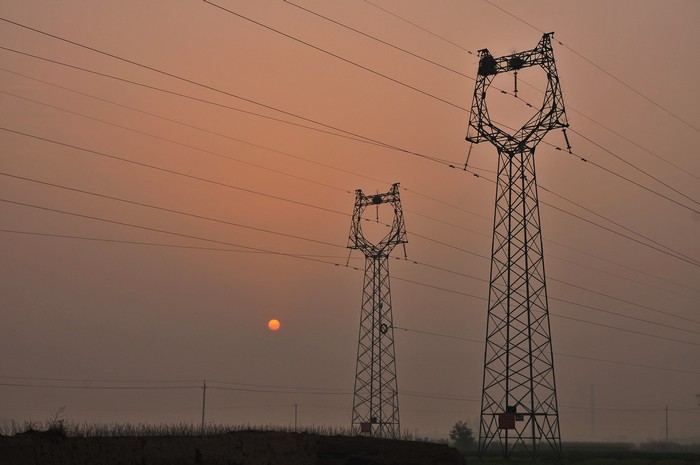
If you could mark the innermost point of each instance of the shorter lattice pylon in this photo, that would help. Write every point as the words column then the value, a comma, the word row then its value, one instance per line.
column 376, row 400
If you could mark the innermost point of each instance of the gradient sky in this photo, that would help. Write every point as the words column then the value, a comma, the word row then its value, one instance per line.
column 187, row 295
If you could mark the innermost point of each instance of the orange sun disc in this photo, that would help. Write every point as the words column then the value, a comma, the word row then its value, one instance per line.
column 274, row 325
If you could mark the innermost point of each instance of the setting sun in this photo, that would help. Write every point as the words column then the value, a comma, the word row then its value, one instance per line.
column 274, row 325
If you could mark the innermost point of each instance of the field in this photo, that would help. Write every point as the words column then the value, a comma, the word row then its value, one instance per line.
column 62, row 443
column 183, row 445
column 608, row 454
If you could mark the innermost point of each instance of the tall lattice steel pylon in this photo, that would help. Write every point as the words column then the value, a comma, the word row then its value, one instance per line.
column 376, row 402
column 519, row 399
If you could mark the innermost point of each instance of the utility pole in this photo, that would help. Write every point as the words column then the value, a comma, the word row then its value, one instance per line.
column 376, row 400
column 593, row 435
column 204, row 402
column 667, row 423
column 295, row 418
column 519, row 398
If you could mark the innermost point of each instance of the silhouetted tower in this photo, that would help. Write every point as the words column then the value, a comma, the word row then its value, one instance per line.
column 376, row 402
column 519, row 398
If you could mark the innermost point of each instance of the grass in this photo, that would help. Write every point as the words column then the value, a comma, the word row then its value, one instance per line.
column 75, row 429
column 650, row 453
column 84, row 430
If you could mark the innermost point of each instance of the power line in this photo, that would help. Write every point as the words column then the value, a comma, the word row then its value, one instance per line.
column 181, row 144
column 211, row 383
column 236, row 96
column 388, row 44
column 600, row 68
column 119, row 158
column 344, row 133
column 63, row 236
column 594, row 223
column 420, row 27
column 639, row 146
column 447, row 336
column 560, row 354
column 641, row 283
column 424, row 284
column 587, row 160
column 106, row 380
column 276, row 386
column 170, row 210
column 442, row 202
column 616, row 133
column 337, row 56
column 637, row 168
column 159, row 71
column 347, row 135
column 418, row 90
column 334, row 55
column 147, row 228
column 259, row 146
column 159, row 168
column 268, row 231
column 609, row 312
column 208, row 87
column 151, row 166
column 169, row 171
column 163, row 388
column 422, row 156
column 150, row 244
column 440, row 396
column 635, row 365
column 277, row 389
column 199, row 128
column 598, row 270
column 100, row 388
column 607, row 260
column 286, row 154
column 319, row 242
column 439, row 268
column 641, row 333
column 274, row 391
column 644, row 96
column 590, row 307
column 527, row 103
column 625, row 228
column 665, row 250
column 303, row 257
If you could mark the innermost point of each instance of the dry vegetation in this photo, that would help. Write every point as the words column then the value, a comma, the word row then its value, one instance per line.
column 252, row 445
column 61, row 442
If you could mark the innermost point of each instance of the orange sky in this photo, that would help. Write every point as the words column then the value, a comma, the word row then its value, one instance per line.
column 95, row 310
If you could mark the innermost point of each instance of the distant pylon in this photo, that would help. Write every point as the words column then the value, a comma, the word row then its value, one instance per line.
column 376, row 401
column 519, row 399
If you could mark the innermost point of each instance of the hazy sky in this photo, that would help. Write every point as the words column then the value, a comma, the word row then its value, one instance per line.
column 153, row 222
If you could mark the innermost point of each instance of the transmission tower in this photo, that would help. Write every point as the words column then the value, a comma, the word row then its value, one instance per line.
column 376, row 401
column 519, row 399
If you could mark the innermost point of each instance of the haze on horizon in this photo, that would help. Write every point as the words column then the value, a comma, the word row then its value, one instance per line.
column 151, row 231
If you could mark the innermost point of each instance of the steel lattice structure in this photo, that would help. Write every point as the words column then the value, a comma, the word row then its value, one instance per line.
column 376, row 401
column 519, row 409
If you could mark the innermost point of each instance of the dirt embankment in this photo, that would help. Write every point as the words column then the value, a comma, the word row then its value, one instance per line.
column 240, row 448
